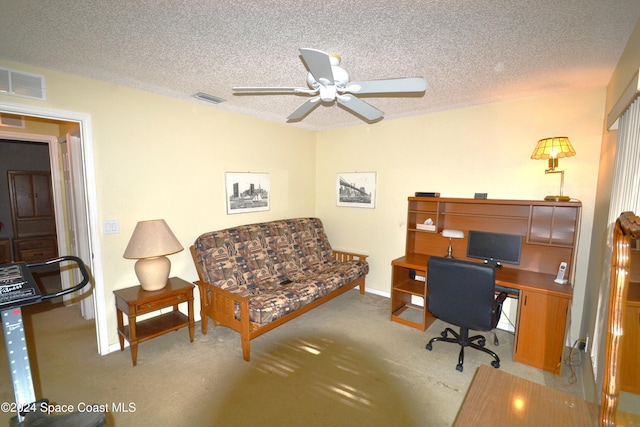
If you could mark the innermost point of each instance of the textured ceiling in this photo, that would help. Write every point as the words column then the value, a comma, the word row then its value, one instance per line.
column 470, row 52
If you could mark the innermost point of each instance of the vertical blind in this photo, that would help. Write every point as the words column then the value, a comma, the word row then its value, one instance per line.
column 625, row 196
column 625, row 191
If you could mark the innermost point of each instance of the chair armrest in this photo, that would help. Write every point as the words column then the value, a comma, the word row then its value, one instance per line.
column 497, row 308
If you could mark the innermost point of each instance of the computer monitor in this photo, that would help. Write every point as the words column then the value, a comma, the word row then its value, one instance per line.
column 494, row 248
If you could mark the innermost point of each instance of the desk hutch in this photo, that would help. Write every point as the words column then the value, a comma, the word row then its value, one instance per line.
column 550, row 232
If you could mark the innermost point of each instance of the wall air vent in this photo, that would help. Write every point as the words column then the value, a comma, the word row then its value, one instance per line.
column 11, row 120
column 24, row 85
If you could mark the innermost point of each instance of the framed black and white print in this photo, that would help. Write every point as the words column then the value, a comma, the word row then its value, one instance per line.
column 356, row 189
column 247, row 192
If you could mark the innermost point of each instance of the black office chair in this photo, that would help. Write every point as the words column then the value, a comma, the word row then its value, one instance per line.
column 463, row 293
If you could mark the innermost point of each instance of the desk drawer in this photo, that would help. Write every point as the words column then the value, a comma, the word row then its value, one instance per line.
column 5, row 251
column 147, row 307
column 38, row 255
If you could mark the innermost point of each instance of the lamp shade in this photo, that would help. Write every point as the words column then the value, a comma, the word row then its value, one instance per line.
column 151, row 239
column 150, row 242
column 555, row 148
column 456, row 234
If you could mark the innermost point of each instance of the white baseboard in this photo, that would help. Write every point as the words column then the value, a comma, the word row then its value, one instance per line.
column 376, row 292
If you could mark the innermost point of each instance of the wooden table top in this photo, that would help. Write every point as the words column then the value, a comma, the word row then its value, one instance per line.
column 501, row 399
column 136, row 294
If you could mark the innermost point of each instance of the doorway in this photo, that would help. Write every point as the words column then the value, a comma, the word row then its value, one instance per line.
column 82, row 151
column 28, row 209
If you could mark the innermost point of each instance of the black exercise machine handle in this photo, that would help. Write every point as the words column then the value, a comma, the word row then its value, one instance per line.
column 81, row 266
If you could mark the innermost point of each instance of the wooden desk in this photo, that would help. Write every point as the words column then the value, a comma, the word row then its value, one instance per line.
column 498, row 398
column 543, row 307
column 549, row 233
column 135, row 301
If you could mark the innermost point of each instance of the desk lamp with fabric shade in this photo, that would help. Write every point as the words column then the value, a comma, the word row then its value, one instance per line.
column 451, row 234
column 150, row 242
column 553, row 149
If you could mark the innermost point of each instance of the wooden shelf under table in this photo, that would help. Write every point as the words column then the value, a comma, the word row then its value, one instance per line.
column 156, row 326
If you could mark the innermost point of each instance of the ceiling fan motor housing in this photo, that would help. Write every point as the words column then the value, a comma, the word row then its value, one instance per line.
column 340, row 78
column 328, row 93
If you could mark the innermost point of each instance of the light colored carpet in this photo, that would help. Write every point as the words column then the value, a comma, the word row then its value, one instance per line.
column 342, row 364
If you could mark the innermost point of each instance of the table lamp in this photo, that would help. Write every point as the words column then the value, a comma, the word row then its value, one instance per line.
column 150, row 242
column 451, row 234
column 553, row 149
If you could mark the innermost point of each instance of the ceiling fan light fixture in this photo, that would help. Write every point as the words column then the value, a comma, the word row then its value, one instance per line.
column 208, row 98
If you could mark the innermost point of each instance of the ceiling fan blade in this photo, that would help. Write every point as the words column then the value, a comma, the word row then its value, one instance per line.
column 304, row 109
column 274, row 90
column 408, row 85
column 359, row 107
column 319, row 65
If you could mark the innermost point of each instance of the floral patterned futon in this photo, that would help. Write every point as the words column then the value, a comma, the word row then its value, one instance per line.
column 279, row 265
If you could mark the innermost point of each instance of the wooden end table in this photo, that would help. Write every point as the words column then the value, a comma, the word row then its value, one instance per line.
column 135, row 301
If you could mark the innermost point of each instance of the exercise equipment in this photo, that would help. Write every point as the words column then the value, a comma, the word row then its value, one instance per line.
column 18, row 288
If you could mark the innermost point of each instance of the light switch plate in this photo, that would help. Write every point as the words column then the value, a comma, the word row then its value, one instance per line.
column 111, row 226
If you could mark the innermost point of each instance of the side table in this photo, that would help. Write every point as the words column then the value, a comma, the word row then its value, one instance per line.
column 135, row 301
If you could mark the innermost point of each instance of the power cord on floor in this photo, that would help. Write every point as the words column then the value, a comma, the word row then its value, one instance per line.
column 496, row 342
column 509, row 320
column 570, row 362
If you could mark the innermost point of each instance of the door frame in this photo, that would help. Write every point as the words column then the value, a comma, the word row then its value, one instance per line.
column 93, row 237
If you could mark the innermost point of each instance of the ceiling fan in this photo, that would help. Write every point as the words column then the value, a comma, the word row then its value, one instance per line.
column 329, row 83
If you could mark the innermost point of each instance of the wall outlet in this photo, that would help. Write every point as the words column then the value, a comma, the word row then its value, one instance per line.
column 584, row 344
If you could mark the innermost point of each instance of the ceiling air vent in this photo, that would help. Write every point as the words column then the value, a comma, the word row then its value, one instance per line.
column 209, row 98
column 24, row 85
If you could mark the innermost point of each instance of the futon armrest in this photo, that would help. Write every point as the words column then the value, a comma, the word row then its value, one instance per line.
column 348, row 256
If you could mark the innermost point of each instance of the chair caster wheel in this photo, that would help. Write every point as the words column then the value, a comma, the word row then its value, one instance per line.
column 428, row 347
column 459, row 367
column 495, row 364
column 482, row 342
column 443, row 334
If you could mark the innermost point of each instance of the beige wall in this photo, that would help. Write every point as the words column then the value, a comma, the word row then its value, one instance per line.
column 157, row 157
column 457, row 153
column 161, row 157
